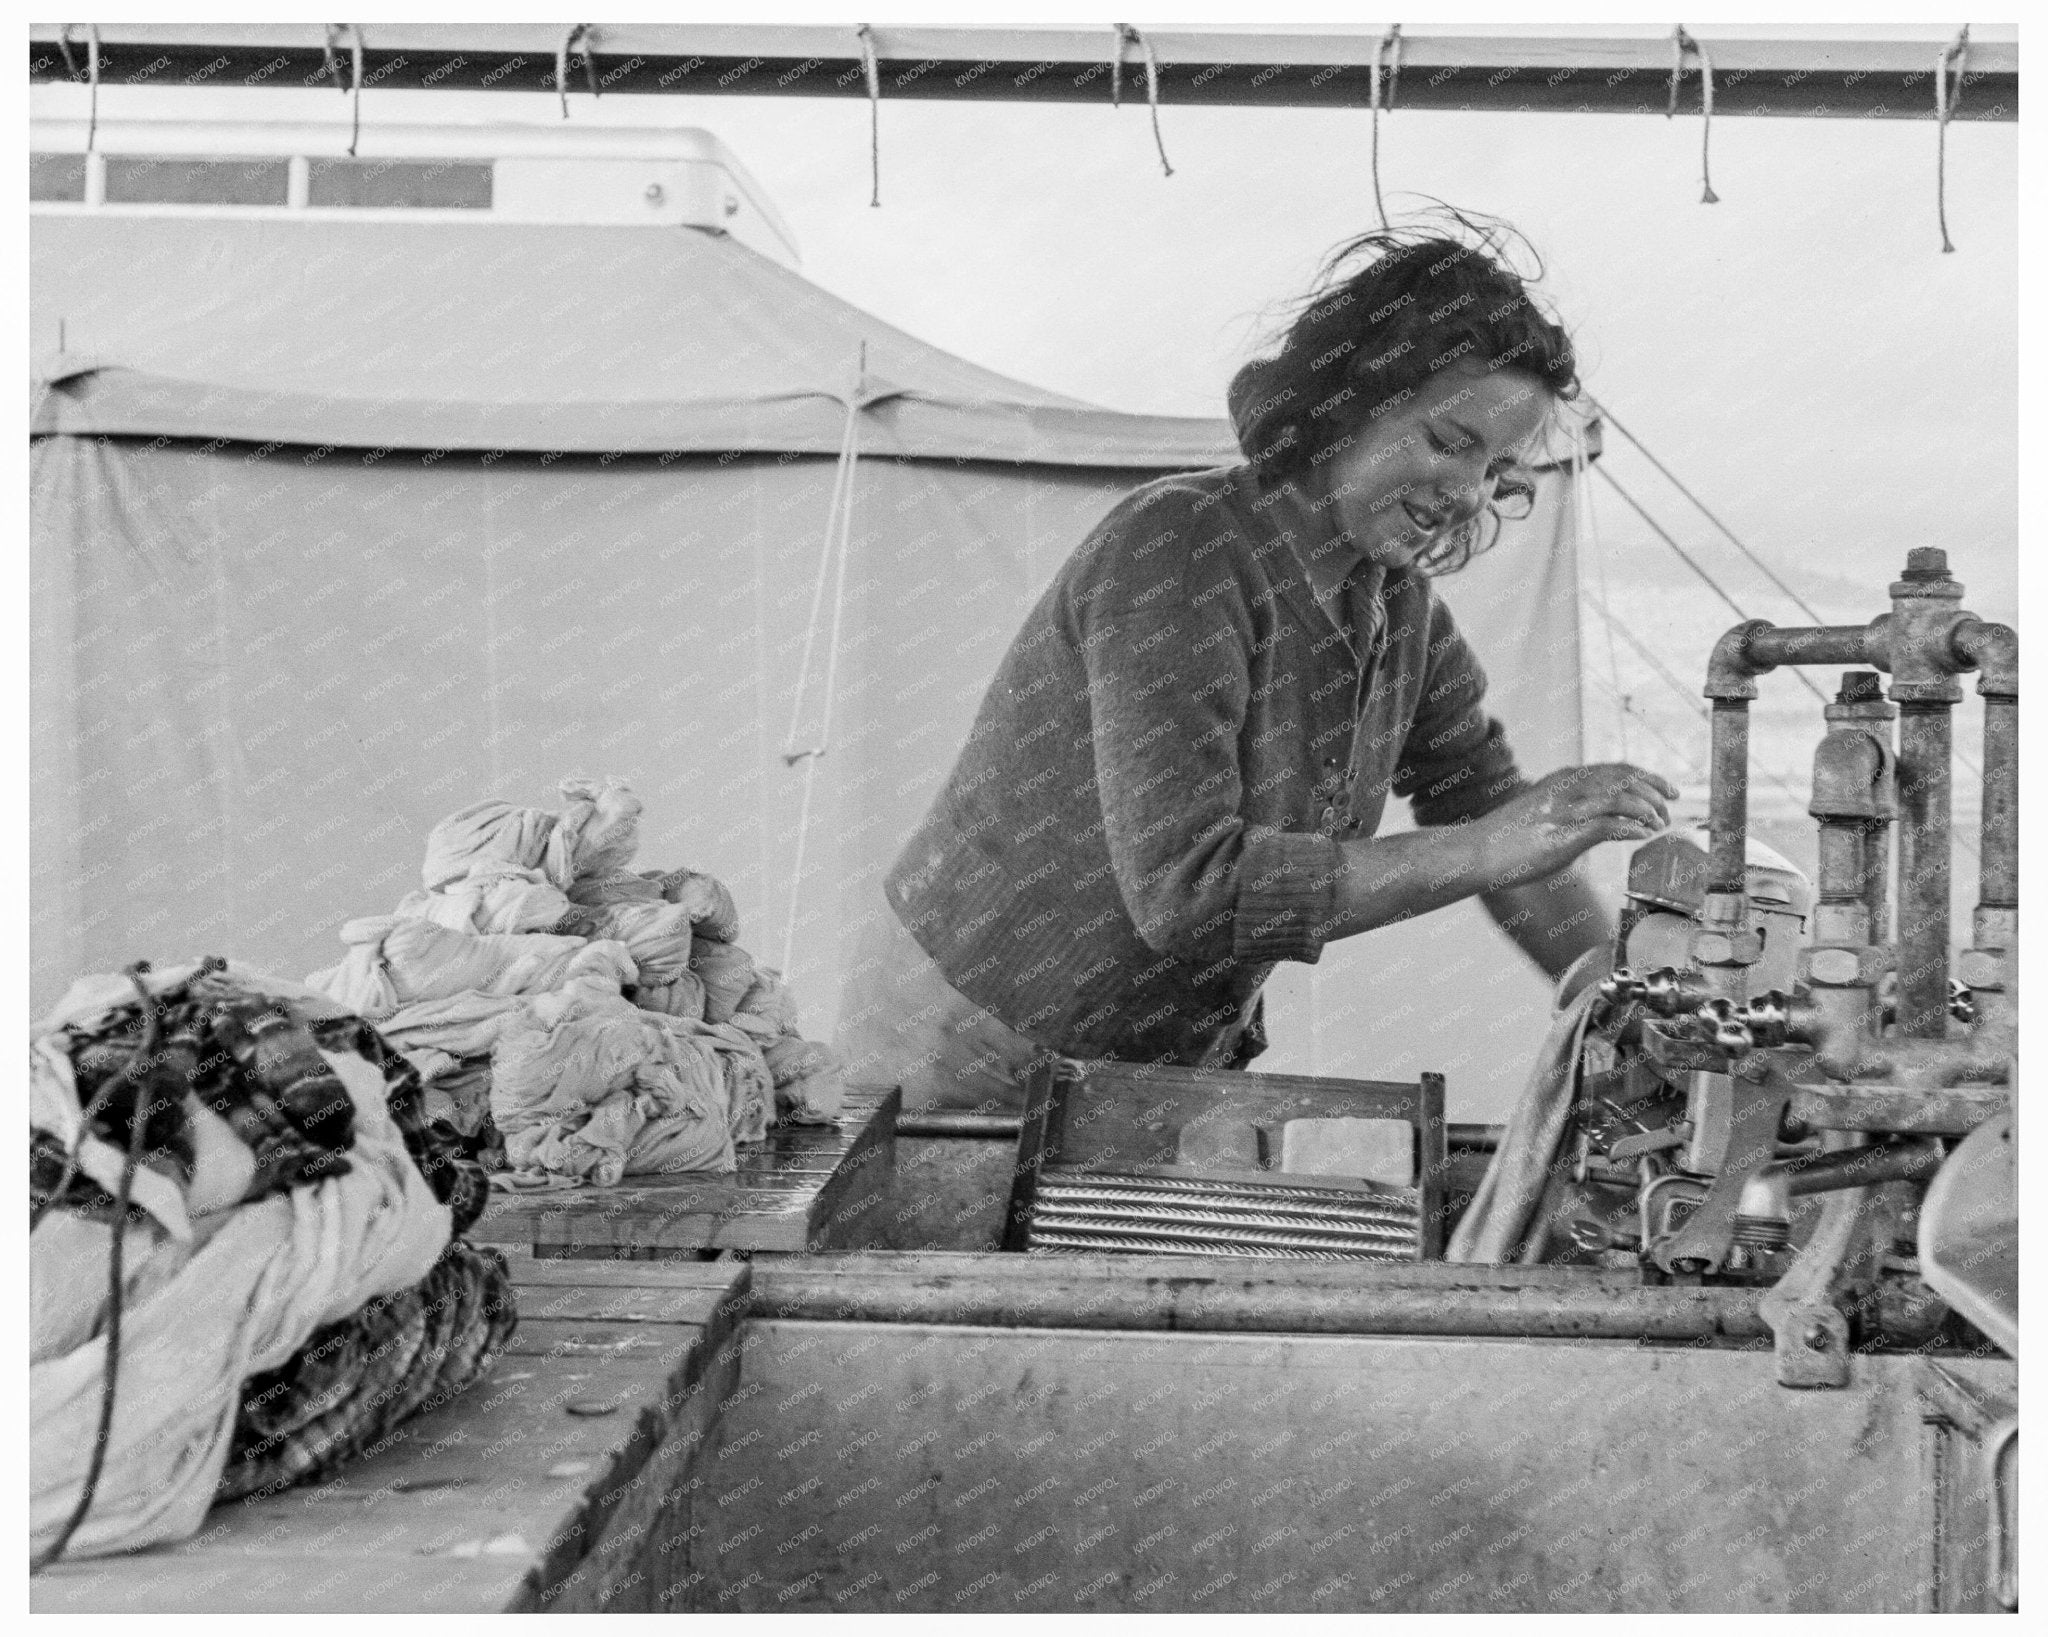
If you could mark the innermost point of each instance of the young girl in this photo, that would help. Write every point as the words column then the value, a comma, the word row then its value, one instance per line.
column 1176, row 777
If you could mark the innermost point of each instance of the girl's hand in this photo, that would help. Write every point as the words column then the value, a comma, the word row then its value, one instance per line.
column 1566, row 813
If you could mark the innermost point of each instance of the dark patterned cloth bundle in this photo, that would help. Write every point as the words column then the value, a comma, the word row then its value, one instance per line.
column 248, row 1057
column 255, row 1060
column 355, row 1382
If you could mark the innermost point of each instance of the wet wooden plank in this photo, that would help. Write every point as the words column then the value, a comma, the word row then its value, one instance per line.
column 793, row 1192
column 280, row 1583
column 858, row 1185
column 620, row 1304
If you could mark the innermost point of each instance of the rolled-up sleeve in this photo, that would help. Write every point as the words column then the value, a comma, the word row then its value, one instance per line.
column 1170, row 685
column 1455, row 763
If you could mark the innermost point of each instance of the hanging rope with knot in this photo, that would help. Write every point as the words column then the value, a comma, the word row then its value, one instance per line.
column 1389, row 46
column 1681, row 43
column 585, row 36
column 354, row 89
column 135, row 1071
column 871, row 72
column 92, row 74
column 1953, row 56
column 1128, row 36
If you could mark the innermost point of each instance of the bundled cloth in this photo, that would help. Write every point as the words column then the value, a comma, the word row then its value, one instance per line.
column 283, row 1178
column 607, row 1019
column 353, row 1383
column 585, row 1084
column 1519, row 1200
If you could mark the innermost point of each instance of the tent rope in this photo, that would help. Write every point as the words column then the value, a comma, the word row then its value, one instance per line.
column 1681, row 43
column 92, row 74
column 1619, row 627
column 872, row 73
column 1586, row 528
column 839, row 538
column 584, row 35
column 1388, row 45
column 1712, row 584
column 1804, row 607
column 1954, row 54
column 1129, row 36
column 354, row 89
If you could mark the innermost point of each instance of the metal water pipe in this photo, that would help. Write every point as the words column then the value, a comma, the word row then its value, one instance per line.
column 1989, row 967
column 1852, row 800
column 1763, row 1214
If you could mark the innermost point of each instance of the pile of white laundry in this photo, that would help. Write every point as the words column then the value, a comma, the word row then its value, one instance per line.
column 607, row 1020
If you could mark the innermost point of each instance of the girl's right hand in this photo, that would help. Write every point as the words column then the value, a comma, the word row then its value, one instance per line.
column 1568, row 812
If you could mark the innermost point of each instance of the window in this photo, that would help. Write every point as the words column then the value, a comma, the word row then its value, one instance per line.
column 147, row 179
column 418, row 184
column 56, row 178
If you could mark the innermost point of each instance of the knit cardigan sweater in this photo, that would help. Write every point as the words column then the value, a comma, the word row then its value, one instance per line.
column 1147, row 813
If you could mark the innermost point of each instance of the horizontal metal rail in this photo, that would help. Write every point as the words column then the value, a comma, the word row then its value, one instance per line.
column 940, row 1122
column 1222, row 1293
column 1625, row 71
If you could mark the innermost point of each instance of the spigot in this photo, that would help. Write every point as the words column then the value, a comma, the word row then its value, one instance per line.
column 1620, row 987
column 1666, row 991
column 1768, row 1017
column 1726, row 1026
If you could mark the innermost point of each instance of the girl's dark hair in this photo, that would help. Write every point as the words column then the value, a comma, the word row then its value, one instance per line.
column 1431, row 295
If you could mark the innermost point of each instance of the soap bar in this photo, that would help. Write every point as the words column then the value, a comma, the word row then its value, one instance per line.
column 1377, row 1150
column 1219, row 1143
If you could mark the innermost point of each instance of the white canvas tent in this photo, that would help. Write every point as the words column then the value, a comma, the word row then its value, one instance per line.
column 340, row 525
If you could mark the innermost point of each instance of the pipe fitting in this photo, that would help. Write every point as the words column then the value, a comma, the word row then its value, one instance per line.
column 1727, row 911
column 1860, row 698
column 1747, row 651
column 1715, row 946
column 1850, row 766
column 1992, row 651
column 1768, row 1194
column 1858, row 966
column 1981, row 971
column 1910, row 1063
column 1766, row 1202
column 1667, row 992
column 1995, row 926
column 1925, row 619
column 1731, row 674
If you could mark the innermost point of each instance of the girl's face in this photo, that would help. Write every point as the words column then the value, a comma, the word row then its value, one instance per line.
column 1419, row 471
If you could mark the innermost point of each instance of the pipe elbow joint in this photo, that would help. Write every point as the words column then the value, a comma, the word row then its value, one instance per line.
column 1731, row 672
column 1995, row 652
column 1848, row 771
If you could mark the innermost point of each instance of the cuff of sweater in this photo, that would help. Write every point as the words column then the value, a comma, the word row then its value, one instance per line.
column 1286, row 896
